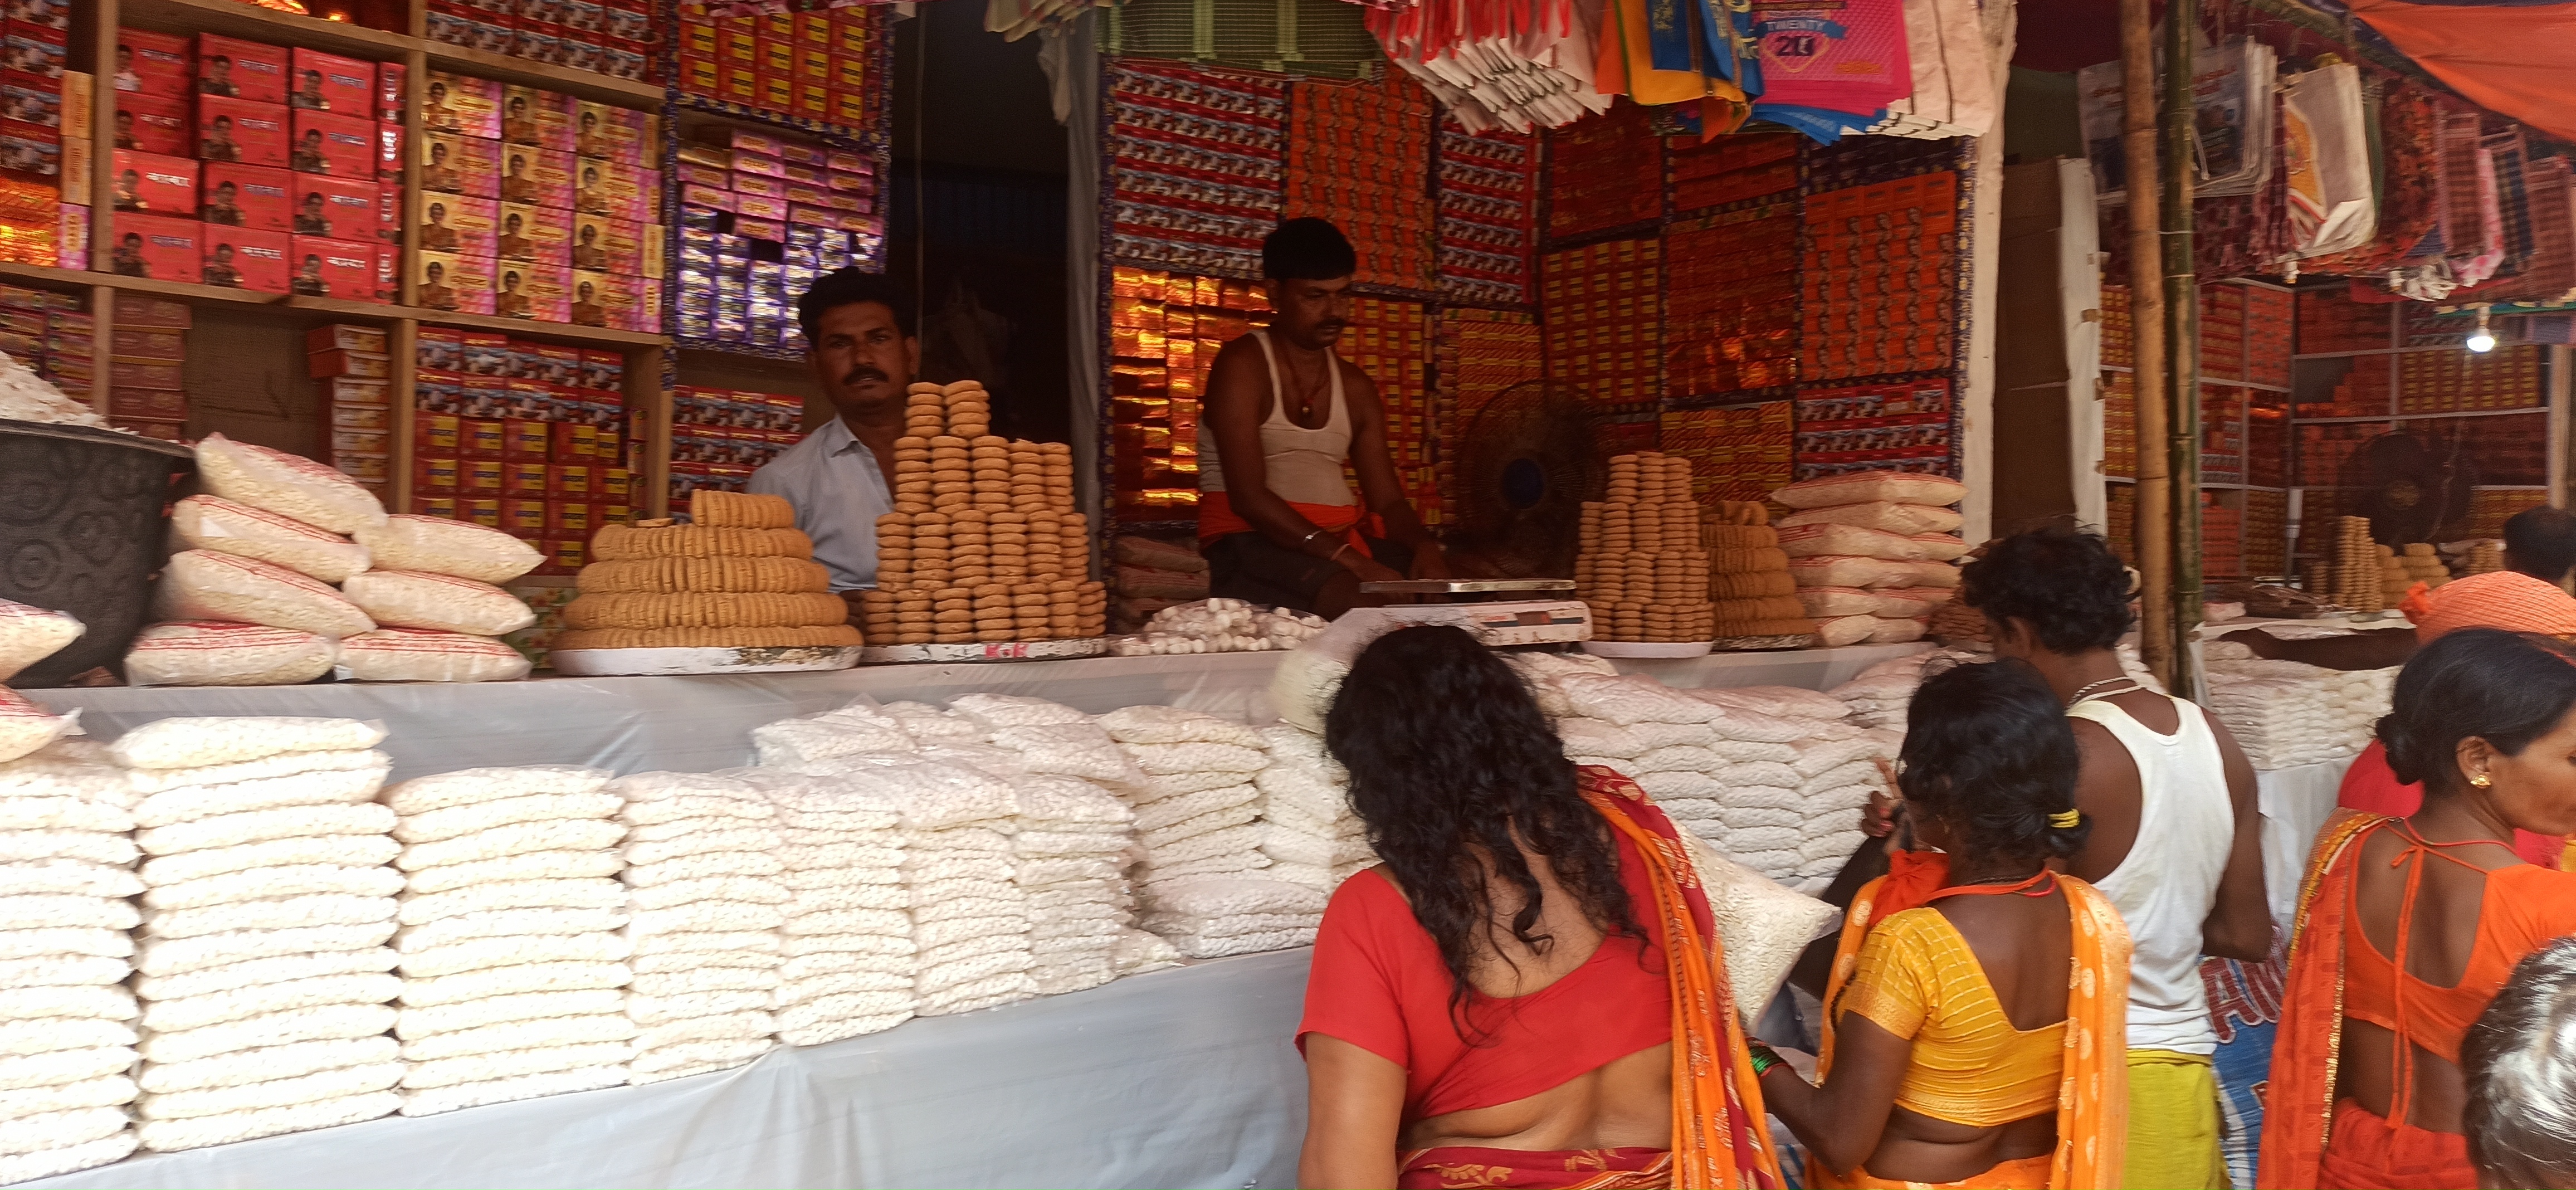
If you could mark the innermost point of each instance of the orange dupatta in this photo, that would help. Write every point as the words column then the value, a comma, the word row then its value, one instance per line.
column 1720, row 1139
column 2298, row 1107
column 2093, row 1093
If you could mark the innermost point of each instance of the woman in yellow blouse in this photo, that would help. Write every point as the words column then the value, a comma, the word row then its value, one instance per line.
column 1975, row 1018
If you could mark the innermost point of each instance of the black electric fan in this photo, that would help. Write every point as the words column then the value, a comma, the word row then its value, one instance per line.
column 2410, row 486
column 1526, row 464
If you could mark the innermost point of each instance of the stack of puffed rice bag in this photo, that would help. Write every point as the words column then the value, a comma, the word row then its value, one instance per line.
column 510, row 943
column 267, row 907
column 847, row 938
column 66, row 1022
column 703, row 857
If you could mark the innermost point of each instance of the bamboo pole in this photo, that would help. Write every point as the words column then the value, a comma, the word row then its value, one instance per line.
column 2182, row 339
column 2149, row 528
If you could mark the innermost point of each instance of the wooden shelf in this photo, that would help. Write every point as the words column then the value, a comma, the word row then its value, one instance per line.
column 314, row 309
column 565, row 332
column 233, row 18
column 2525, row 411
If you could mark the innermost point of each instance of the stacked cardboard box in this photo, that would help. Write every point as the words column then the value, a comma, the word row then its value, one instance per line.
column 613, row 37
column 720, row 436
column 1602, row 305
column 761, row 217
column 255, row 166
column 44, row 139
column 355, row 365
column 146, row 380
column 48, row 332
column 523, row 437
column 538, row 206
column 809, row 65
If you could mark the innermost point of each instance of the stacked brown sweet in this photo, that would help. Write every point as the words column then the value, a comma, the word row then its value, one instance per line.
column 984, row 543
column 1640, row 564
column 739, row 576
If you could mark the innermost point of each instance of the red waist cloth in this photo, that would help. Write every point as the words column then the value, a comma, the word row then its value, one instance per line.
column 2366, row 1152
column 1353, row 522
column 1378, row 982
column 2371, row 785
column 1459, row 1166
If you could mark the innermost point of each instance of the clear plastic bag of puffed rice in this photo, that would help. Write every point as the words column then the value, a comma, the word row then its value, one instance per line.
column 31, row 634
column 25, row 727
column 438, row 602
column 439, row 545
column 421, row 655
column 205, row 585
column 224, row 653
column 225, row 526
column 289, row 484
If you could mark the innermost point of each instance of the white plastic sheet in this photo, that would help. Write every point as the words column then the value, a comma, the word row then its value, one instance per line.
column 1186, row 1077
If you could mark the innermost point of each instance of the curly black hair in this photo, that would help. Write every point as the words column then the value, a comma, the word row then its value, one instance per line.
column 2065, row 582
column 1988, row 751
column 2503, row 687
column 1454, row 769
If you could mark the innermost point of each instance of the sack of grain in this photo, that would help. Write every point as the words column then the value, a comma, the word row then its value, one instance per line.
column 289, row 484
column 1895, row 487
column 414, row 655
column 205, row 585
column 438, row 602
column 31, row 634
column 1815, row 541
column 220, row 653
column 442, row 546
column 1886, row 516
column 230, row 527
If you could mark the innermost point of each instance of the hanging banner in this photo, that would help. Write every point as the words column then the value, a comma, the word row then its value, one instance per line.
column 2326, row 149
column 1846, row 56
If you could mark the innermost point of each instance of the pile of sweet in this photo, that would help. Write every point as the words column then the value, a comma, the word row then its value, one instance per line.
column 1773, row 777
column 290, row 570
column 1219, row 626
column 2285, row 713
column 1873, row 552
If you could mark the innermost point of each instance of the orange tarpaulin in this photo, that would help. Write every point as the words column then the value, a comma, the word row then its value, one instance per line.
column 2513, row 61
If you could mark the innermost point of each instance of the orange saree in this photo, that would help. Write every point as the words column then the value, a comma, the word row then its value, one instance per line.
column 1720, row 1140
column 2092, row 1095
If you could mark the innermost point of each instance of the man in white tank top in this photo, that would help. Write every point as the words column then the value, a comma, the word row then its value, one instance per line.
column 2175, row 838
column 1281, row 415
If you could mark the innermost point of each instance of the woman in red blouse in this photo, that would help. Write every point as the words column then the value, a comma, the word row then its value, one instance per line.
column 1498, row 1002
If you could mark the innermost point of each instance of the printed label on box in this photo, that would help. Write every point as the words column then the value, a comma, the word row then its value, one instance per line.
column 242, row 130
column 331, row 83
column 151, row 183
column 160, row 247
column 326, row 267
column 343, row 146
column 335, row 208
column 462, row 104
column 246, row 258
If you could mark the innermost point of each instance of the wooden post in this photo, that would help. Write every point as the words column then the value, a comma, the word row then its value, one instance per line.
column 2151, row 532
column 2182, row 342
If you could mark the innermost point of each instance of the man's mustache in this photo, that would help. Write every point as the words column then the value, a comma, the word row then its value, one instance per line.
column 863, row 373
column 1332, row 324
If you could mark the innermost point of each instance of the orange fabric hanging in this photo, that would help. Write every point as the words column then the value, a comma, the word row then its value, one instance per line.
column 2510, row 60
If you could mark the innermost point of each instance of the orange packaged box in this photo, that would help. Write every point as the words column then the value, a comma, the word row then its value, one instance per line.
column 479, row 440
column 479, row 477
column 523, row 518
column 486, row 513
column 568, row 518
column 437, row 433
column 435, row 474
column 569, row 481
column 523, row 479
column 524, row 441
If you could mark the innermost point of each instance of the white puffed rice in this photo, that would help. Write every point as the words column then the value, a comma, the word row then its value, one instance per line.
column 440, row 545
column 288, row 484
column 168, row 1136
column 31, row 634
column 188, row 803
column 180, row 743
column 226, row 526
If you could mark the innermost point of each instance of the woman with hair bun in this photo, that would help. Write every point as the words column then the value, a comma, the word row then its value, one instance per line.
column 1530, row 990
column 2408, row 926
column 1976, row 1039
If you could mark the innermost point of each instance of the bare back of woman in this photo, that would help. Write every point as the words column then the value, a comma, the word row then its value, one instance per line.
column 1626, row 1103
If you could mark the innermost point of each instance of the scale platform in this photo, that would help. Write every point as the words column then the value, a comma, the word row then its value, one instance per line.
column 1489, row 608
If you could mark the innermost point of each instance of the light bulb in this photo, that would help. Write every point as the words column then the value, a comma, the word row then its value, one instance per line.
column 2481, row 342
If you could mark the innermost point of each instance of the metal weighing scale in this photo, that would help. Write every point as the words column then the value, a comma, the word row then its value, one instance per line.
column 1503, row 612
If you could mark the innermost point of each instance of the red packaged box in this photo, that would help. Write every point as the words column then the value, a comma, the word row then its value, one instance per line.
column 388, row 271
column 813, row 99
column 525, row 441
column 486, row 513
column 524, row 479
column 147, row 404
column 442, row 507
column 536, row 117
column 524, row 516
column 849, row 106
column 568, row 481
column 590, row 298
column 336, row 208
column 737, row 82
column 436, row 433
column 152, row 124
column 152, row 183
column 334, row 268
column 151, row 63
column 158, row 374
column 331, row 83
column 242, row 130
column 454, row 281
column 567, row 556
column 389, row 152
column 568, row 518
column 343, row 146
column 247, row 258
column 571, row 441
column 462, row 104
column 436, row 473
column 39, row 50
column 390, row 87
column 161, row 247
column 554, row 364
column 32, row 148
column 479, row 478
column 238, row 69
column 612, row 484
column 478, row 439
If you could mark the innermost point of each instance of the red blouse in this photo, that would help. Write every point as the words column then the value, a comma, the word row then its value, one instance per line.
column 1378, row 983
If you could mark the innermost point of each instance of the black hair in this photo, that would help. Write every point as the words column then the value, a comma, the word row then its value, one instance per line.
column 1307, row 249
column 2506, row 688
column 849, row 287
column 1454, row 768
column 2065, row 582
column 2541, row 542
column 2519, row 1061
column 1988, row 750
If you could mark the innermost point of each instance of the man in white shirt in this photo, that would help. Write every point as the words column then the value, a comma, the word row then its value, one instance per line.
column 859, row 341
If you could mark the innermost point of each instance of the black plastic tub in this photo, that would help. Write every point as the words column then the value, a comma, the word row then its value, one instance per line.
column 81, row 531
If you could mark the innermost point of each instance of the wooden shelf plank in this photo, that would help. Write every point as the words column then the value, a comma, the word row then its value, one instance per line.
column 587, row 335
column 182, row 290
column 582, row 84
column 313, row 308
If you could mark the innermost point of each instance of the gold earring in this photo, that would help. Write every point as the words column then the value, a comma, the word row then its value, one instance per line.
column 2480, row 781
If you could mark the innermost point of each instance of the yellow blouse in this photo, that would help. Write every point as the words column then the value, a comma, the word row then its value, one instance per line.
column 1917, row 979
